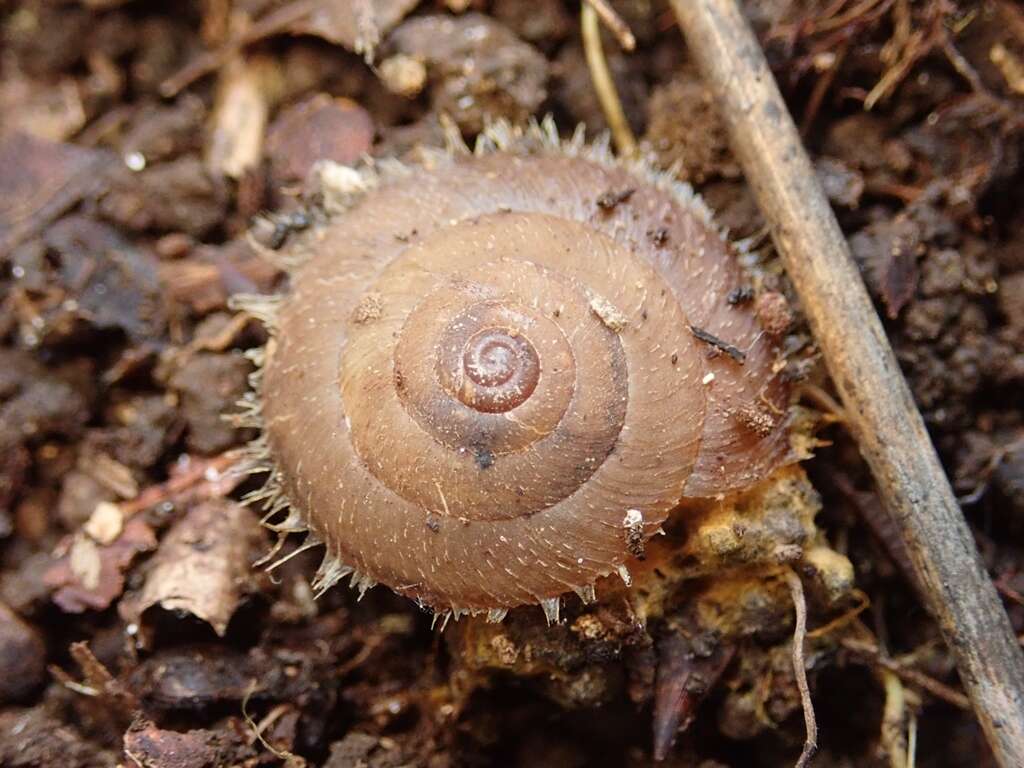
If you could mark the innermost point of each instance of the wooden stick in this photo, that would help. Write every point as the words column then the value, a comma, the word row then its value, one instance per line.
column 882, row 414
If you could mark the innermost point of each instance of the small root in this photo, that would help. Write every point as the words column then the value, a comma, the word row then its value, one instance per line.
column 893, row 738
column 863, row 603
column 874, row 656
column 912, row 742
column 824, row 402
column 290, row 759
column 796, row 591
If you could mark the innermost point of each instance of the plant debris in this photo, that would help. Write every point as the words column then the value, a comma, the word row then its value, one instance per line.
column 709, row 338
column 149, row 157
column 202, row 565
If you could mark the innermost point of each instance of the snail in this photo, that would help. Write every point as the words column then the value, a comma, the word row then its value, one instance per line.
column 496, row 372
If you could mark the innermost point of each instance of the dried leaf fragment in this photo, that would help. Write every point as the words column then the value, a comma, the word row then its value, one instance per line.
column 91, row 575
column 202, row 565
column 888, row 251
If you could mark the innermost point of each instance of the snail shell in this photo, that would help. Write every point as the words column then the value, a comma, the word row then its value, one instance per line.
column 491, row 379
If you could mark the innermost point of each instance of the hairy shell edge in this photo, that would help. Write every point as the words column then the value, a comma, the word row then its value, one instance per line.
column 729, row 465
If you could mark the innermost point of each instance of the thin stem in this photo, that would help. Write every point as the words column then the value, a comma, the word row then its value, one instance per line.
column 604, row 85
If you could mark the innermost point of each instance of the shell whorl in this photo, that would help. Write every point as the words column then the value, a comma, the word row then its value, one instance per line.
column 481, row 371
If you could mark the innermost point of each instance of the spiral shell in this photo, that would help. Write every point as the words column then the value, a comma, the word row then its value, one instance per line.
column 491, row 378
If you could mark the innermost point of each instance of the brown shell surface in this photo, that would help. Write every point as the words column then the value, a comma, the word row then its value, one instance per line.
column 480, row 370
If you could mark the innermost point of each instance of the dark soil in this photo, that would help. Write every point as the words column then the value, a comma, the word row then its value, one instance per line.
column 138, row 142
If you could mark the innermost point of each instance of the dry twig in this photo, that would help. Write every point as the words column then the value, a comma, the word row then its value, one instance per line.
column 195, row 479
